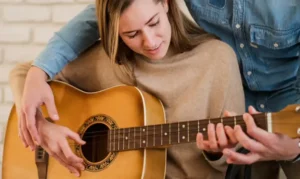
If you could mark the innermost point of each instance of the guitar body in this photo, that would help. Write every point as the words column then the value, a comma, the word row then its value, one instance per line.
column 118, row 107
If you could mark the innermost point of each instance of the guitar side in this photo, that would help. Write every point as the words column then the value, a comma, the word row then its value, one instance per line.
column 126, row 105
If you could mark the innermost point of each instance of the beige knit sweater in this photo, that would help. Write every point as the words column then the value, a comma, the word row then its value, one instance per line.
column 197, row 84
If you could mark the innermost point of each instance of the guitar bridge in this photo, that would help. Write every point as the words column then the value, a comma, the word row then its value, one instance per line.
column 41, row 161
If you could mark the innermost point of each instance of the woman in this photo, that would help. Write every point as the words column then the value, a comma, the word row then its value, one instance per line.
column 155, row 47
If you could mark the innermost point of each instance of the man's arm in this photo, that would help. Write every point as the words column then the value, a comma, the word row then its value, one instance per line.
column 69, row 42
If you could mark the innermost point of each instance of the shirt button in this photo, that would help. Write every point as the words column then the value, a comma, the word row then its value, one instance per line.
column 262, row 106
column 237, row 26
column 249, row 73
column 276, row 45
column 242, row 45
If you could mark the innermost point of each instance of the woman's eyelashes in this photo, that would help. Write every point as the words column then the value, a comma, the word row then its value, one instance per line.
column 154, row 24
column 136, row 33
column 132, row 36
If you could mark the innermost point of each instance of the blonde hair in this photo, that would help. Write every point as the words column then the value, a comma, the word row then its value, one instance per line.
column 185, row 34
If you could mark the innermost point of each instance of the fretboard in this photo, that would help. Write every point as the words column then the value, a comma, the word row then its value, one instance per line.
column 161, row 135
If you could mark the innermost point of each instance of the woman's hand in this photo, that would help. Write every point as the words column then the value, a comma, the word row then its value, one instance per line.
column 54, row 141
column 263, row 146
column 219, row 137
column 36, row 93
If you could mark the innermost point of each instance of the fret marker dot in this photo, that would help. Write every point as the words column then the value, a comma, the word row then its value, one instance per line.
column 204, row 129
column 183, row 137
column 144, row 142
column 126, row 137
column 166, row 133
column 183, row 126
column 143, row 130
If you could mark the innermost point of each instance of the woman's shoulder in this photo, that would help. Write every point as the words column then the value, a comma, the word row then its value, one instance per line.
column 216, row 50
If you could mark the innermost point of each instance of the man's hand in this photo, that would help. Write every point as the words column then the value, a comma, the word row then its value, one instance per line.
column 36, row 93
column 263, row 146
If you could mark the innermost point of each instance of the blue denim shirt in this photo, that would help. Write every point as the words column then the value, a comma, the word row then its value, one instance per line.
column 264, row 34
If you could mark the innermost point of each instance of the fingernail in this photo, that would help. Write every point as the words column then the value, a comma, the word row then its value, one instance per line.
column 55, row 117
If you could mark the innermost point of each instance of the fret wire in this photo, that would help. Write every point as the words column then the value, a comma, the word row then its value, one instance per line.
column 188, row 131
column 140, row 138
column 129, row 138
column 198, row 126
column 234, row 121
column 161, row 134
column 123, row 137
column 178, row 132
column 118, row 139
column 146, row 136
column 154, row 137
column 170, row 133
column 114, row 139
column 134, row 137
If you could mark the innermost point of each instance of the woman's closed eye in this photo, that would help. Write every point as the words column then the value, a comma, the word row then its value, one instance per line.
column 132, row 35
column 154, row 24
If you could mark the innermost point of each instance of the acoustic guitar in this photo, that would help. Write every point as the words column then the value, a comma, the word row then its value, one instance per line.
column 125, row 131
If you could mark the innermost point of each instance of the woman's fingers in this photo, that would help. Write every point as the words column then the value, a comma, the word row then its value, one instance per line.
column 203, row 145
column 230, row 133
column 68, row 153
column 221, row 136
column 213, row 144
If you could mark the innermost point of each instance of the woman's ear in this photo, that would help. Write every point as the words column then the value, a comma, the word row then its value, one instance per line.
column 166, row 5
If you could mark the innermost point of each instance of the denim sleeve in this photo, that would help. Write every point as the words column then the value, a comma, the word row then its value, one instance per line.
column 69, row 42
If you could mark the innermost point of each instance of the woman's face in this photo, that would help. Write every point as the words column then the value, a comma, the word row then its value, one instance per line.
column 144, row 27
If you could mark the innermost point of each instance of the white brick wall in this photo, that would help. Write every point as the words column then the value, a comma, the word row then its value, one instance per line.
column 25, row 28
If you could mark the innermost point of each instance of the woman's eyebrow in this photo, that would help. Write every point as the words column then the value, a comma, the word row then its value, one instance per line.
column 128, row 32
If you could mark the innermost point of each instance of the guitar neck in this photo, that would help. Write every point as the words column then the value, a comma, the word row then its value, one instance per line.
column 163, row 135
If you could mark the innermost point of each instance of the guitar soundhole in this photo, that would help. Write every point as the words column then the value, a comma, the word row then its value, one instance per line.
column 95, row 132
column 95, row 149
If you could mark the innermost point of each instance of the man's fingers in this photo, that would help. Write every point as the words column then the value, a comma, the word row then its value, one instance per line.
column 51, row 108
column 30, row 116
column 257, row 133
column 252, row 110
column 20, row 132
column 237, row 158
column 247, row 142
column 26, row 135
